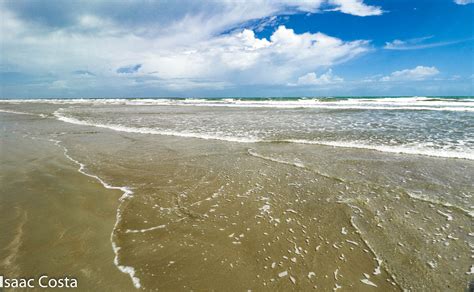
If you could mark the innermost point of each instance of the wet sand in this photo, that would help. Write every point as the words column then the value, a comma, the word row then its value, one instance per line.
column 54, row 221
column 217, row 215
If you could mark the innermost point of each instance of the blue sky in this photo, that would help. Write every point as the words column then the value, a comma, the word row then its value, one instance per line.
column 188, row 48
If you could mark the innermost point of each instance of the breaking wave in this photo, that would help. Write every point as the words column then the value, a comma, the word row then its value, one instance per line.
column 417, row 149
column 382, row 103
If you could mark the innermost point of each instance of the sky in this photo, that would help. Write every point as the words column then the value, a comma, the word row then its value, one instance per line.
column 147, row 48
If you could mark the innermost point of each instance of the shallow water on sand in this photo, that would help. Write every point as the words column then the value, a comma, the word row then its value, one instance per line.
column 210, row 214
column 54, row 220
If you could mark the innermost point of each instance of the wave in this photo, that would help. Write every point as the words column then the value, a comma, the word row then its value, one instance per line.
column 412, row 150
column 431, row 200
column 126, row 193
column 385, row 103
column 122, row 128
column 295, row 163
column 377, row 257
column 251, row 152
column 22, row 113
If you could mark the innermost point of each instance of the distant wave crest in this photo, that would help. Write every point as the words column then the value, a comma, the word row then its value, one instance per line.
column 382, row 103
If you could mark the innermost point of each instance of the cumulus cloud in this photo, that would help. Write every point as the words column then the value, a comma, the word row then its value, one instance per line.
column 463, row 2
column 245, row 59
column 356, row 7
column 313, row 79
column 171, row 19
column 415, row 74
column 236, row 58
column 177, row 45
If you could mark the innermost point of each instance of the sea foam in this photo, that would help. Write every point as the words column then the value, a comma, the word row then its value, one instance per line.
column 383, row 103
column 126, row 193
column 402, row 149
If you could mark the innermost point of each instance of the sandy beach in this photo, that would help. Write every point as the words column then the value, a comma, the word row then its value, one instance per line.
column 229, row 145
column 207, row 214
column 55, row 221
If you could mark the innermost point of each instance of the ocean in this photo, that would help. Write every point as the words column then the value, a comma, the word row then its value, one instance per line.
column 273, row 193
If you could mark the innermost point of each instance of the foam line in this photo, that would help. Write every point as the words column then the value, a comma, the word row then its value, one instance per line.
column 389, row 149
column 121, row 128
column 381, row 148
column 399, row 103
column 377, row 258
column 251, row 152
column 414, row 196
column 127, row 193
column 21, row 113
column 145, row 230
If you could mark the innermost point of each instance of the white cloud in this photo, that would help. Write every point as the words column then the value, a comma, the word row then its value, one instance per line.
column 245, row 59
column 395, row 44
column 406, row 44
column 356, row 7
column 415, row 74
column 463, row 2
column 201, row 48
column 417, row 44
column 313, row 79
column 177, row 23
column 236, row 58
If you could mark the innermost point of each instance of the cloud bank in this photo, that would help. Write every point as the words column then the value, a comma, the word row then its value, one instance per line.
column 182, row 45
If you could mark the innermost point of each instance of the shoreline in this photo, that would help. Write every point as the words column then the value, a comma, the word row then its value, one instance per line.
column 351, row 145
column 168, row 206
column 74, row 234
column 126, row 193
